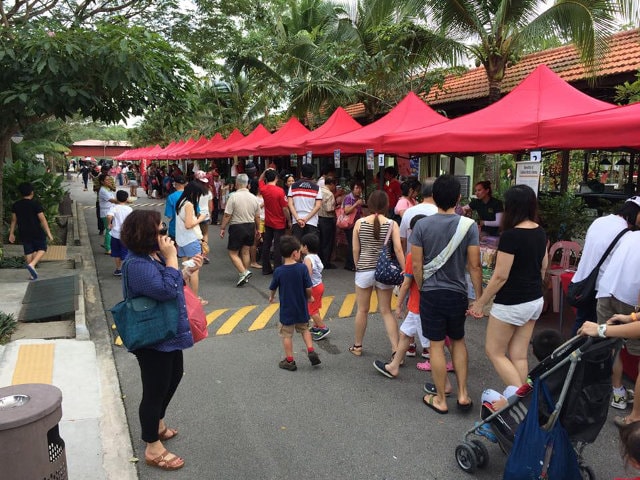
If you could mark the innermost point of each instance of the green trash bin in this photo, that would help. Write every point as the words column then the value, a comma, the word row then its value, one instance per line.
column 31, row 445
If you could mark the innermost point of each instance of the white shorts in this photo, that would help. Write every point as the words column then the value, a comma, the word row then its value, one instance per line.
column 518, row 314
column 367, row 279
column 412, row 326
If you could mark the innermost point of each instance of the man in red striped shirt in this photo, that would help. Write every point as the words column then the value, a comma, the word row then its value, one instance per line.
column 305, row 200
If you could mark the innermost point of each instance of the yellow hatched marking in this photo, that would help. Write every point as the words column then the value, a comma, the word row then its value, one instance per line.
column 214, row 315
column 234, row 320
column 262, row 320
column 347, row 305
column 326, row 303
column 34, row 364
column 394, row 301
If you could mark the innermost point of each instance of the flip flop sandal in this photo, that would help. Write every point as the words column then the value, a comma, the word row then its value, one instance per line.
column 162, row 463
column 356, row 350
column 382, row 368
column 429, row 403
column 430, row 388
column 464, row 407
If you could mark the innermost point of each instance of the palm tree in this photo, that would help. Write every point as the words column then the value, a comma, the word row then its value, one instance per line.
column 503, row 29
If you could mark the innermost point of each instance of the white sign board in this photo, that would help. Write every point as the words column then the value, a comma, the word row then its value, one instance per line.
column 535, row 155
column 528, row 173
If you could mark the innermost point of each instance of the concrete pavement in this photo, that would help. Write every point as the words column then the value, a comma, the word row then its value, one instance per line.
column 93, row 424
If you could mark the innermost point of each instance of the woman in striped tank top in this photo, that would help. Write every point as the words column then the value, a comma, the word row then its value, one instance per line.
column 368, row 237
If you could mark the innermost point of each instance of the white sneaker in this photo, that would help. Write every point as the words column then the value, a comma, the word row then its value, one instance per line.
column 619, row 401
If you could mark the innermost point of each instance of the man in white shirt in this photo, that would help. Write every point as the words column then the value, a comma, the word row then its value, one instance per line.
column 427, row 207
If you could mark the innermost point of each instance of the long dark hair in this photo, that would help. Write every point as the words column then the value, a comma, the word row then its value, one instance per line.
column 191, row 193
column 379, row 204
column 520, row 204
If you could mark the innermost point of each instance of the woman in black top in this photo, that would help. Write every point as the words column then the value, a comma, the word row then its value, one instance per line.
column 489, row 209
column 517, row 285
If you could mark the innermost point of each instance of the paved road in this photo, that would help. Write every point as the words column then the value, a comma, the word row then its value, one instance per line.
column 241, row 417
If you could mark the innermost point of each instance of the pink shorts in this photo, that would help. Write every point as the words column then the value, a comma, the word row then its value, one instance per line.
column 316, row 305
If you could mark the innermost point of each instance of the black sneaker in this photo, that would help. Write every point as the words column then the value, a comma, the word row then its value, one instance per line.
column 287, row 365
column 314, row 358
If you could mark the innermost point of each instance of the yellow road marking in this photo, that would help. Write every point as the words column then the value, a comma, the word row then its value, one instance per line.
column 326, row 303
column 373, row 302
column 262, row 320
column 214, row 315
column 34, row 364
column 347, row 306
column 234, row 320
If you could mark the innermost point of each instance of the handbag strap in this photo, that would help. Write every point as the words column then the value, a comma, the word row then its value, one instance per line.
column 609, row 248
column 389, row 230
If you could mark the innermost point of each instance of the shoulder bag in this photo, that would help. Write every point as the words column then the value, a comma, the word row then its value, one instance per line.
column 345, row 221
column 582, row 293
column 538, row 452
column 143, row 321
column 388, row 270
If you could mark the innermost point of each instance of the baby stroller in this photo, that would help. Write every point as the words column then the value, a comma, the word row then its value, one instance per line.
column 578, row 373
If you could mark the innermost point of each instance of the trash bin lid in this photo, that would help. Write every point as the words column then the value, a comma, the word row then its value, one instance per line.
column 27, row 403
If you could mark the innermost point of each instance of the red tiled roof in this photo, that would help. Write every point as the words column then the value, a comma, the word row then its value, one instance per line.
column 623, row 57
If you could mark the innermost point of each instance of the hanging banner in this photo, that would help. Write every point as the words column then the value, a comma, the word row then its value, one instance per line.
column 293, row 160
column 414, row 167
column 381, row 159
column 535, row 155
column 528, row 173
column 336, row 158
column 369, row 155
column 309, row 157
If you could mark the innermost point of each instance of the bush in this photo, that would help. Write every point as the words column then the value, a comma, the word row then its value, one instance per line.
column 8, row 325
column 563, row 216
column 48, row 187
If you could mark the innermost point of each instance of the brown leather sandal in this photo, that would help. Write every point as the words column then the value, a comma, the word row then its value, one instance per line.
column 163, row 463
column 167, row 434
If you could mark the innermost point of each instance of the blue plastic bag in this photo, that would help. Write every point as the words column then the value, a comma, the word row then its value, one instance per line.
column 538, row 454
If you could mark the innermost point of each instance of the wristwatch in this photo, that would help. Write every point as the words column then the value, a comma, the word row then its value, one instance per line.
column 602, row 330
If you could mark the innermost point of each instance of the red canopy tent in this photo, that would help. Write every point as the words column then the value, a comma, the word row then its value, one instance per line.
column 338, row 123
column 617, row 128
column 273, row 145
column 180, row 153
column 409, row 114
column 259, row 133
column 166, row 151
column 200, row 150
column 220, row 151
column 510, row 124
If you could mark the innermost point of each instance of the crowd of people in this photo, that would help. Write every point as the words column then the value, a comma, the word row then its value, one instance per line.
column 286, row 227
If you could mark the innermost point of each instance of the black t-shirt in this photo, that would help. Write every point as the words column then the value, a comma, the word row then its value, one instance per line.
column 487, row 211
column 27, row 220
column 528, row 247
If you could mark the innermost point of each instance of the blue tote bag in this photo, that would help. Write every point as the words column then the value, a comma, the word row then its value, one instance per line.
column 539, row 454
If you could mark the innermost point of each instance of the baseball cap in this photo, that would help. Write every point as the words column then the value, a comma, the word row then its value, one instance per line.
column 200, row 175
column 180, row 179
column 635, row 199
column 250, row 167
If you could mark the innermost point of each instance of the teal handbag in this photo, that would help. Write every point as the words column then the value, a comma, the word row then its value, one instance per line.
column 143, row 321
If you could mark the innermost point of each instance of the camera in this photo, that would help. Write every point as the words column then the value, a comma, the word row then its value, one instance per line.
column 164, row 229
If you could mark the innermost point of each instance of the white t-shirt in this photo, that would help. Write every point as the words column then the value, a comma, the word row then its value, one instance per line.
column 203, row 203
column 599, row 236
column 119, row 213
column 420, row 209
column 184, row 235
column 621, row 278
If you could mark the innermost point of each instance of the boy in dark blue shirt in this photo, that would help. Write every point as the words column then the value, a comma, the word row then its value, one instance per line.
column 294, row 284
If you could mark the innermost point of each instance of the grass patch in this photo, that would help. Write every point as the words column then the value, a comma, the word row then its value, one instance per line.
column 8, row 325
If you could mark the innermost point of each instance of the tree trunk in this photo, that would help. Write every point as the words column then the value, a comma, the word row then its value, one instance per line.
column 5, row 152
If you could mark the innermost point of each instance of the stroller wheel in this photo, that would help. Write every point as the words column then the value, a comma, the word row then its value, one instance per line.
column 466, row 457
column 482, row 454
column 587, row 472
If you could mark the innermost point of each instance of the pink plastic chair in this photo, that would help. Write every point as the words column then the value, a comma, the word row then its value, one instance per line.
column 569, row 250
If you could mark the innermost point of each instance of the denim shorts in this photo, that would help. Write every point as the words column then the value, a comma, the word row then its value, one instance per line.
column 190, row 249
column 443, row 313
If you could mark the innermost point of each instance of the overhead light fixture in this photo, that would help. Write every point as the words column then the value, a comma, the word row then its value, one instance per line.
column 623, row 161
column 17, row 137
column 605, row 161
